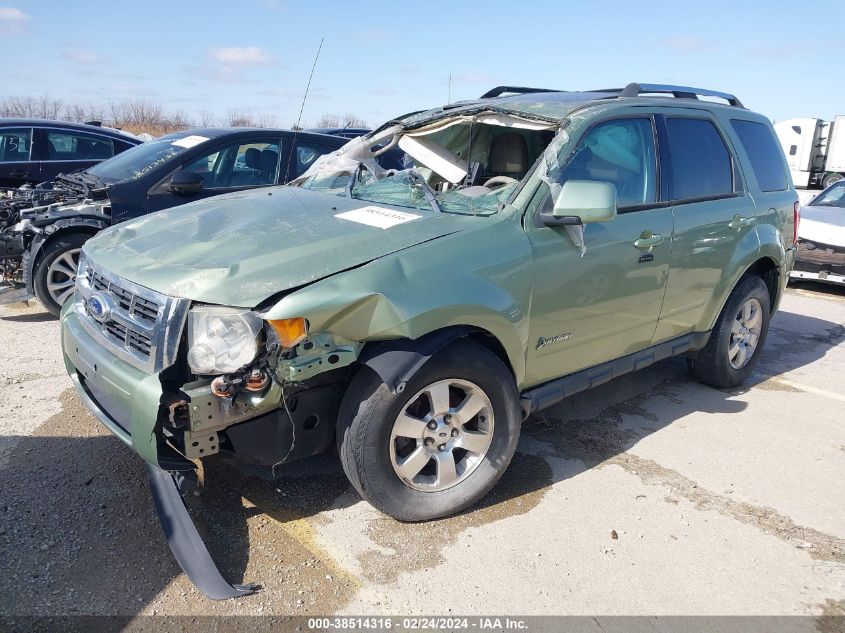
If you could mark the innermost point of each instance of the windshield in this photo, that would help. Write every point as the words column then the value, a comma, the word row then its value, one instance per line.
column 833, row 197
column 141, row 159
column 468, row 165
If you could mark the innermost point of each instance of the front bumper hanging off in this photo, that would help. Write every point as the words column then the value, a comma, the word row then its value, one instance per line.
column 185, row 542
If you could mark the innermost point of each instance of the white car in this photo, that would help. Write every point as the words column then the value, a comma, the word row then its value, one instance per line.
column 821, row 237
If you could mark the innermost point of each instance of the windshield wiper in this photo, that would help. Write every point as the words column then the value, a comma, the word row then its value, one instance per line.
column 353, row 179
column 428, row 192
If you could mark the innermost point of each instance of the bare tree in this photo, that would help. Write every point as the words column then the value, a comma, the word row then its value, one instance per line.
column 340, row 120
column 43, row 107
column 239, row 118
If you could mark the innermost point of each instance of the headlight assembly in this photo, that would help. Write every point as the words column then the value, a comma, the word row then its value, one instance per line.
column 221, row 340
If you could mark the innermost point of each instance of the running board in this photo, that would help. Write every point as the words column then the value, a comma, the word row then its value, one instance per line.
column 186, row 543
column 553, row 392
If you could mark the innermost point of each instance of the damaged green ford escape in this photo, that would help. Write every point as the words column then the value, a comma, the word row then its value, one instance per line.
column 536, row 243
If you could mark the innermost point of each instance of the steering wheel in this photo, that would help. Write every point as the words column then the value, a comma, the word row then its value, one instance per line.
column 499, row 180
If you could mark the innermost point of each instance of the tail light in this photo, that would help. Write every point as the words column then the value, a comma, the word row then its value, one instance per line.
column 796, row 220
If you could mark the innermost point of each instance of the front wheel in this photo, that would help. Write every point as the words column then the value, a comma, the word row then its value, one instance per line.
column 55, row 274
column 440, row 445
column 738, row 337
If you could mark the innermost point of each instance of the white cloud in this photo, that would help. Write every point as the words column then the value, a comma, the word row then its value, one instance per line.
column 240, row 56
column 685, row 44
column 82, row 56
column 232, row 63
column 12, row 21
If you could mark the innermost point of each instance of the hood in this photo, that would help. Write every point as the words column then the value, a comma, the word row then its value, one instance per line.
column 824, row 225
column 239, row 249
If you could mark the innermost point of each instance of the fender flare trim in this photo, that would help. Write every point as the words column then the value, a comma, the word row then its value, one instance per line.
column 397, row 360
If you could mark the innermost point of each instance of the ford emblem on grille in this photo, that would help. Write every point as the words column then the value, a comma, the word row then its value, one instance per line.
column 100, row 306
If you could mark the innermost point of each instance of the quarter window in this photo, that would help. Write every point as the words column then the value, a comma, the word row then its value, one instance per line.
column 700, row 161
column 15, row 144
column 77, row 146
column 620, row 151
column 764, row 152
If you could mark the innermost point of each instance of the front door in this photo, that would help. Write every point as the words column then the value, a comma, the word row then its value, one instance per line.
column 605, row 304
column 233, row 166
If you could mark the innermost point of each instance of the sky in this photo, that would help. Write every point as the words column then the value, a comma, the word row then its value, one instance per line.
column 383, row 59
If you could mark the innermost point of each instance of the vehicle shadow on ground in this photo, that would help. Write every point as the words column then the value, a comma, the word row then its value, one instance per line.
column 78, row 529
column 29, row 317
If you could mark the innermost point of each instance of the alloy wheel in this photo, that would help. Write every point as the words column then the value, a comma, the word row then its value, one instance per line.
column 61, row 275
column 441, row 435
column 745, row 333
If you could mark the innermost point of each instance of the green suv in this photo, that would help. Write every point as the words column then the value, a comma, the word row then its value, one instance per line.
column 536, row 243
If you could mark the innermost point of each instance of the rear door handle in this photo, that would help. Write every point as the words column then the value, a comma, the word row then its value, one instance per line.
column 740, row 222
column 18, row 173
column 648, row 241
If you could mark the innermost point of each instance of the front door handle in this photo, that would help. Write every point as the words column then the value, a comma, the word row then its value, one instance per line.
column 740, row 222
column 18, row 173
column 648, row 241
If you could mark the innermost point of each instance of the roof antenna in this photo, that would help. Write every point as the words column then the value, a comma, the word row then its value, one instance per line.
column 302, row 108
column 449, row 100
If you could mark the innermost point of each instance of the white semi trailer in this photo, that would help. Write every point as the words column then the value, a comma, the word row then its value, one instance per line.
column 815, row 150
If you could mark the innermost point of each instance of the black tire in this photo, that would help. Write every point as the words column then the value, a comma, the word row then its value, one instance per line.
column 57, row 248
column 366, row 420
column 829, row 179
column 712, row 365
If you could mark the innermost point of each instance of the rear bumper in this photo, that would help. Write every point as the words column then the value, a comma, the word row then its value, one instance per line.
column 122, row 397
column 819, row 265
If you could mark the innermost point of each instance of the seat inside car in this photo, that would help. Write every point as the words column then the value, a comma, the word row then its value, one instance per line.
column 508, row 156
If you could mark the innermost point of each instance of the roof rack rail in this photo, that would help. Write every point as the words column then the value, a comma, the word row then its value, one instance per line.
column 679, row 92
column 498, row 91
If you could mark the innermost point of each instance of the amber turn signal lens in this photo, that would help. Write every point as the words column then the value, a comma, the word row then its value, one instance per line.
column 290, row 331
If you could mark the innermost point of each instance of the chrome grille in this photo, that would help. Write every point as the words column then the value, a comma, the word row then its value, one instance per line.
column 139, row 325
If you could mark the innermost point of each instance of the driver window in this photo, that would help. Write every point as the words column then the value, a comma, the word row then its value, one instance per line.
column 621, row 152
column 245, row 164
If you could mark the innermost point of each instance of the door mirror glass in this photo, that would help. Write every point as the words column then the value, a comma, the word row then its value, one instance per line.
column 185, row 182
column 588, row 200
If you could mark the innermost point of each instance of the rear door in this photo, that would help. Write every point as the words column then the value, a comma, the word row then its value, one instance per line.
column 17, row 164
column 715, row 219
column 245, row 163
column 64, row 150
column 304, row 152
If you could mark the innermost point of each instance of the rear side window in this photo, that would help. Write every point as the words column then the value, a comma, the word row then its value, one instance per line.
column 700, row 161
column 77, row 146
column 764, row 153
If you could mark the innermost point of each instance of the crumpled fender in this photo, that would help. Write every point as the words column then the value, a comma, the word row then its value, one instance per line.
column 50, row 231
column 480, row 281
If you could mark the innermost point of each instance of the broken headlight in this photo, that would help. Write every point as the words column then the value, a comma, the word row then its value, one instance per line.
column 221, row 340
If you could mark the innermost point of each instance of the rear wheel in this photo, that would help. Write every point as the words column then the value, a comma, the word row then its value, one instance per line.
column 440, row 445
column 832, row 178
column 55, row 274
column 735, row 343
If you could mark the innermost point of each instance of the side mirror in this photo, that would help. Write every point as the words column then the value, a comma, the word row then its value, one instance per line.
column 186, row 182
column 584, row 202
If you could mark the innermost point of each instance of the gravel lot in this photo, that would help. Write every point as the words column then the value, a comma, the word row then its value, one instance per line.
column 650, row 495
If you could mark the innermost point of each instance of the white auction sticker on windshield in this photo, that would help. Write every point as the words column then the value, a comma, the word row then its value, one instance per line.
column 190, row 141
column 379, row 217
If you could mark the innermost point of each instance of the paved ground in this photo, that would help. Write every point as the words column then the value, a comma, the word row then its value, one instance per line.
column 720, row 503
